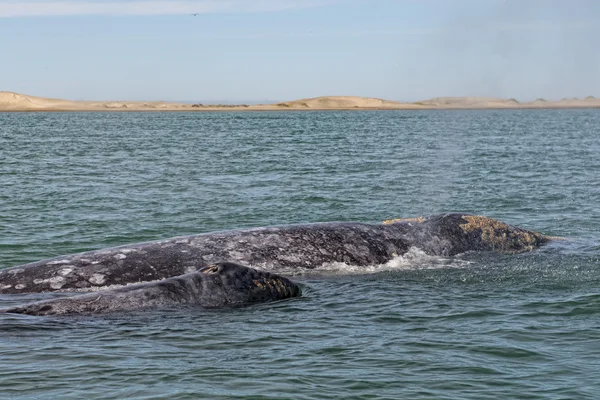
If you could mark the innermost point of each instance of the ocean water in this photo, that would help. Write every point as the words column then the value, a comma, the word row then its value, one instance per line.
column 475, row 326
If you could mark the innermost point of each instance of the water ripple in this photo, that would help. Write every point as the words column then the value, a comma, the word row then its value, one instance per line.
column 478, row 326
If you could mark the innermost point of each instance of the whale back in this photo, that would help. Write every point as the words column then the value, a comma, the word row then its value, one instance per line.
column 220, row 285
column 277, row 248
column 454, row 233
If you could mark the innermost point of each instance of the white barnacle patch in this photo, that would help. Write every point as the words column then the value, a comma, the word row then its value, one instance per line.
column 120, row 256
column 2, row 287
column 290, row 258
column 16, row 271
column 97, row 279
column 127, row 251
column 67, row 270
column 58, row 262
column 56, row 282
column 20, row 286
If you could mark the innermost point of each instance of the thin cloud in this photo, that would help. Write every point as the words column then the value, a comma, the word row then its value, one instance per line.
column 541, row 26
column 51, row 8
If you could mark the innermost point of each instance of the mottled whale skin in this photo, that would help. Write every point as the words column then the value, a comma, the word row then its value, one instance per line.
column 275, row 248
column 216, row 286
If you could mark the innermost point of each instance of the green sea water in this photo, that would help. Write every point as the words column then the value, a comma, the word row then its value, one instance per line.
column 475, row 326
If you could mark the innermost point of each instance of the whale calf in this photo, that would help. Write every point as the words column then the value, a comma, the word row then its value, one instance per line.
column 276, row 248
column 219, row 285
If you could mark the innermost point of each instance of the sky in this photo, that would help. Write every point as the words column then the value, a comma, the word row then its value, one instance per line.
column 276, row 50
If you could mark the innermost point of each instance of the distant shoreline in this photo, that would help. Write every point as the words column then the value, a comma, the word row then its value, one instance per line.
column 15, row 102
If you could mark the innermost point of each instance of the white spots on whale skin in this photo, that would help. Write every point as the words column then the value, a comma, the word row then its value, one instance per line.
column 16, row 271
column 55, row 262
column 190, row 269
column 20, row 286
column 56, row 282
column 86, row 289
column 2, row 287
column 207, row 257
column 237, row 255
column 97, row 279
column 289, row 258
column 120, row 256
column 127, row 251
column 67, row 270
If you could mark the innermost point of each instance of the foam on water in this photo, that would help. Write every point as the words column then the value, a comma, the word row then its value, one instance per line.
column 414, row 258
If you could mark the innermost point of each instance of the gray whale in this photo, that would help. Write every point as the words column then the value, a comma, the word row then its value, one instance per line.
column 216, row 286
column 276, row 248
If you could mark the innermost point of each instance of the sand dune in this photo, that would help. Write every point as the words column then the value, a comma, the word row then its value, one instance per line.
column 469, row 102
column 343, row 102
column 15, row 101
column 491, row 102
column 10, row 101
